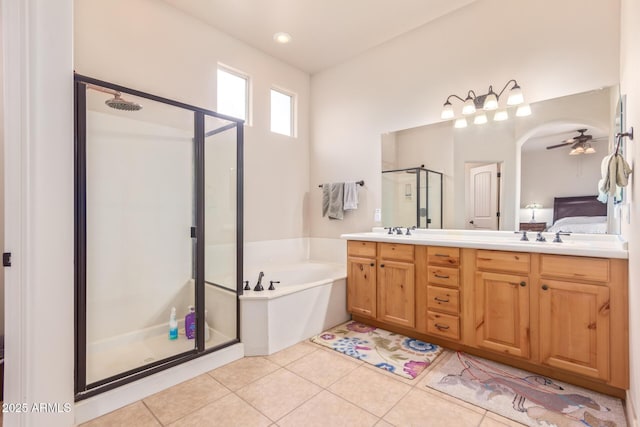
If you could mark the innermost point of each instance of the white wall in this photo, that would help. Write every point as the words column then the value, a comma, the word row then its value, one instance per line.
column 175, row 55
column 554, row 173
column 630, row 85
column 403, row 83
column 1, row 179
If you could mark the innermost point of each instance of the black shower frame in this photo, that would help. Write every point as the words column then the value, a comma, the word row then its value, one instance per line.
column 422, row 168
column 82, row 390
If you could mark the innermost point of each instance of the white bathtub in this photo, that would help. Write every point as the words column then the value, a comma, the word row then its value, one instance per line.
column 310, row 298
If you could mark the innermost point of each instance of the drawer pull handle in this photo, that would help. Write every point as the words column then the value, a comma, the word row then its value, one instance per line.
column 441, row 300
column 443, row 255
column 440, row 276
column 441, row 327
column 545, row 287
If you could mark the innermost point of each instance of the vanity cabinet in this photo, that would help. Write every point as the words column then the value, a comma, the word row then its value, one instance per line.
column 438, row 291
column 396, row 284
column 361, row 277
column 502, row 302
column 575, row 314
column 558, row 315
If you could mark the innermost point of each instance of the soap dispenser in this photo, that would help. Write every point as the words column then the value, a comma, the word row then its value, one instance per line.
column 173, row 325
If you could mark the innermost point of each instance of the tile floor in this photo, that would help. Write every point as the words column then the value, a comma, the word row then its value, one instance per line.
column 303, row 385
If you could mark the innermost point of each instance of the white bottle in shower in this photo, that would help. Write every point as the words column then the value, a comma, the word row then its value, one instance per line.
column 173, row 325
column 207, row 334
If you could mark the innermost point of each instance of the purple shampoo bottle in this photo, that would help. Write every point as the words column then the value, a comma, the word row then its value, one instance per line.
column 190, row 323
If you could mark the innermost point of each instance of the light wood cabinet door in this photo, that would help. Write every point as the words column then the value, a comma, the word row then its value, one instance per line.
column 502, row 313
column 396, row 293
column 361, row 286
column 574, row 327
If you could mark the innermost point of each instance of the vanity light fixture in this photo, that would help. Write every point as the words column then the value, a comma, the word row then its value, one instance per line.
column 460, row 123
column 488, row 102
column 480, row 119
column 500, row 115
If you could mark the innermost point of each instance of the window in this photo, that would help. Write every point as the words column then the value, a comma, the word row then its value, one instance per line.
column 233, row 94
column 282, row 113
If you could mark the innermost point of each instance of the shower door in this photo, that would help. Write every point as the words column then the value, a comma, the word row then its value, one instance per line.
column 158, row 221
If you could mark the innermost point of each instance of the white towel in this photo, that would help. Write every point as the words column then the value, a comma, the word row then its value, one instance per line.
column 604, row 183
column 350, row 196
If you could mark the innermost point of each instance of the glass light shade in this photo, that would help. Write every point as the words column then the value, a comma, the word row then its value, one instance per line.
column 460, row 123
column 490, row 102
column 573, row 152
column 468, row 107
column 579, row 150
column 590, row 150
column 523, row 110
column 480, row 119
column 500, row 115
column 447, row 111
column 515, row 96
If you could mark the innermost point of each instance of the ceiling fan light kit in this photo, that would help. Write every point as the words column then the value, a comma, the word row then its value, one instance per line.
column 580, row 144
column 487, row 102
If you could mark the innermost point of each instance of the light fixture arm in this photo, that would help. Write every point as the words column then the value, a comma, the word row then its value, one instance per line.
column 455, row 96
column 499, row 94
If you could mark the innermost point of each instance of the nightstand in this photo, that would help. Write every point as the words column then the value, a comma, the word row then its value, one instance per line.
column 533, row 226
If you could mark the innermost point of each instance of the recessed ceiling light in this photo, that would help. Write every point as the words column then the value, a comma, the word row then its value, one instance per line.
column 282, row 37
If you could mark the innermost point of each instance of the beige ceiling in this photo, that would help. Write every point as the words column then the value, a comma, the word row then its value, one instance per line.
column 325, row 32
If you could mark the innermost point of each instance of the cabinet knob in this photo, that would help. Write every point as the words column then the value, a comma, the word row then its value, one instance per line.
column 372, row 264
column 381, row 265
column 545, row 287
column 523, row 284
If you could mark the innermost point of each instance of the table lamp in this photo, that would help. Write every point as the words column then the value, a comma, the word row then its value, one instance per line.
column 533, row 206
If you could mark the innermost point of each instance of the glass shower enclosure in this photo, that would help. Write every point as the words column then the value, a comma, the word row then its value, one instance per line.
column 412, row 197
column 158, row 217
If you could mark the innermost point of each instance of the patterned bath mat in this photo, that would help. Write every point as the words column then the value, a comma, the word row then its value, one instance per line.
column 395, row 353
column 524, row 397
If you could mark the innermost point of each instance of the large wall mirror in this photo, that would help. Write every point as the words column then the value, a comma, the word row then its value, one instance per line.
column 536, row 173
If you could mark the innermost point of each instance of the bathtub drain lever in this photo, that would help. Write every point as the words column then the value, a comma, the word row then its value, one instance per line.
column 271, row 282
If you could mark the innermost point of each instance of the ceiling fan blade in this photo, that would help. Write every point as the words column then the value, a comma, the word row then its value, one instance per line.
column 559, row 145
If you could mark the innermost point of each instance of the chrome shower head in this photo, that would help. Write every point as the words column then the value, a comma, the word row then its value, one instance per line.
column 120, row 104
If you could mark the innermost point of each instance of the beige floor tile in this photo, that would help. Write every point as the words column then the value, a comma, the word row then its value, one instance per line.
column 327, row 409
column 278, row 393
column 370, row 390
column 135, row 414
column 383, row 423
column 184, row 398
column 290, row 354
column 322, row 367
column 494, row 420
column 455, row 400
column 243, row 371
column 419, row 408
column 228, row 412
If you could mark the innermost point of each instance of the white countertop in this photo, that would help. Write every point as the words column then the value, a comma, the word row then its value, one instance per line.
column 593, row 245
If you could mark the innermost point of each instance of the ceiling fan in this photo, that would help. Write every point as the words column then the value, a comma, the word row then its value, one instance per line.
column 580, row 144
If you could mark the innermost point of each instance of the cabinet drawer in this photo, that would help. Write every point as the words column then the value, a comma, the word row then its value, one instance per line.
column 443, row 299
column 364, row 249
column 444, row 256
column 443, row 325
column 395, row 251
column 443, row 276
column 582, row 268
column 516, row 262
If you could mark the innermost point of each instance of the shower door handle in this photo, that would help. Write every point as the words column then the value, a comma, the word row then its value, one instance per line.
column 193, row 232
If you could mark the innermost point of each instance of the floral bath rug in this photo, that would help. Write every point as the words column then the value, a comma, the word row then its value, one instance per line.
column 524, row 397
column 395, row 353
